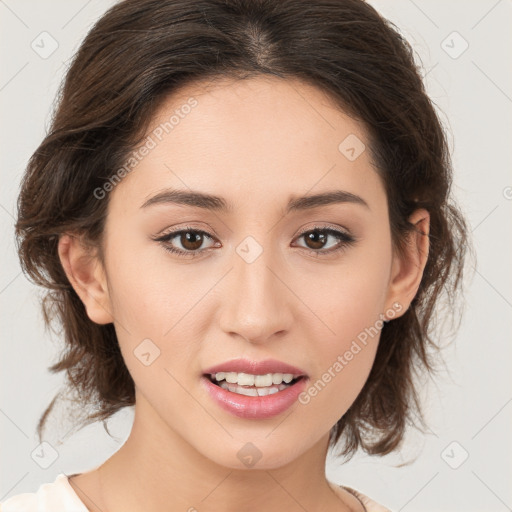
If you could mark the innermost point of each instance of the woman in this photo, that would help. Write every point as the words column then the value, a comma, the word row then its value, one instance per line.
column 242, row 213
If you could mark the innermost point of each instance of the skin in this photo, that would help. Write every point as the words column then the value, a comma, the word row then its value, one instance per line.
column 256, row 143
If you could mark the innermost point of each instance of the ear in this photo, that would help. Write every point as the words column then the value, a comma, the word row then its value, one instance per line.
column 87, row 276
column 407, row 268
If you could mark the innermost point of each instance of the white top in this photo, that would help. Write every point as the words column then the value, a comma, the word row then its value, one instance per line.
column 59, row 496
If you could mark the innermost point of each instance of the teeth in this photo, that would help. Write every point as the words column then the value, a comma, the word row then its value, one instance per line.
column 247, row 379
column 235, row 388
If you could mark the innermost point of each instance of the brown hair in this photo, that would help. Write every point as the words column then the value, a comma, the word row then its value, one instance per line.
column 141, row 51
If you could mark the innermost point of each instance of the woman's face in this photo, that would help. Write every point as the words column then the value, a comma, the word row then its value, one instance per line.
column 257, row 281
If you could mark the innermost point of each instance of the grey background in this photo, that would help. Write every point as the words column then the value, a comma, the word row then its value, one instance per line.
column 468, row 406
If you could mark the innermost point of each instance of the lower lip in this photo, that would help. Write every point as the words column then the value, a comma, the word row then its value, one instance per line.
column 255, row 407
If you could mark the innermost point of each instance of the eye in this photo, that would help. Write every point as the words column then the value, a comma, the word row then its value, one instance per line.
column 316, row 240
column 190, row 240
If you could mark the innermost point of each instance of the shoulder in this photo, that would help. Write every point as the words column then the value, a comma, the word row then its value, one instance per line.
column 57, row 496
column 368, row 503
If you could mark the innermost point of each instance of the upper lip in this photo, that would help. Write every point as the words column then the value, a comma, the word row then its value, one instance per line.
column 255, row 367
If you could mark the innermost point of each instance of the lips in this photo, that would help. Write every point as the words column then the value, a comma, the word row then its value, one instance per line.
column 242, row 365
column 254, row 407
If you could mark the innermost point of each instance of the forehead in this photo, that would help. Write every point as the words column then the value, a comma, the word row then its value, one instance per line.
column 255, row 138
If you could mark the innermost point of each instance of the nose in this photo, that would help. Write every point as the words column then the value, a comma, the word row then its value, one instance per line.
column 256, row 303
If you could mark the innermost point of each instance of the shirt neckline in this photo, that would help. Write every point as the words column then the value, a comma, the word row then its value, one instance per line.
column 63, row 480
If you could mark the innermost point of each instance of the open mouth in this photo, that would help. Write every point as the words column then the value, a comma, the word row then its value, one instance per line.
column 263, row 385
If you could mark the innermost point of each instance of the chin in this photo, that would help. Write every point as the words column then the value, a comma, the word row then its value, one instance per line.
column 256, row 454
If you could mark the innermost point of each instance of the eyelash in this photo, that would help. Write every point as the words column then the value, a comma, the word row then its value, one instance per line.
column 344, row 238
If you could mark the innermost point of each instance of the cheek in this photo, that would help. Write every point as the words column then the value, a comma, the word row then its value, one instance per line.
column 146, row 294
column 350, row 297
column 349, row 303
column 343, row 359
column 153, row 306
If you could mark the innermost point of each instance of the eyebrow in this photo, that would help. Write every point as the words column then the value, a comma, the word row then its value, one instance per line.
column 219, row 204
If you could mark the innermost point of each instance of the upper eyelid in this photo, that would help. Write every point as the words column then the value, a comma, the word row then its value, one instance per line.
column 182, row 230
